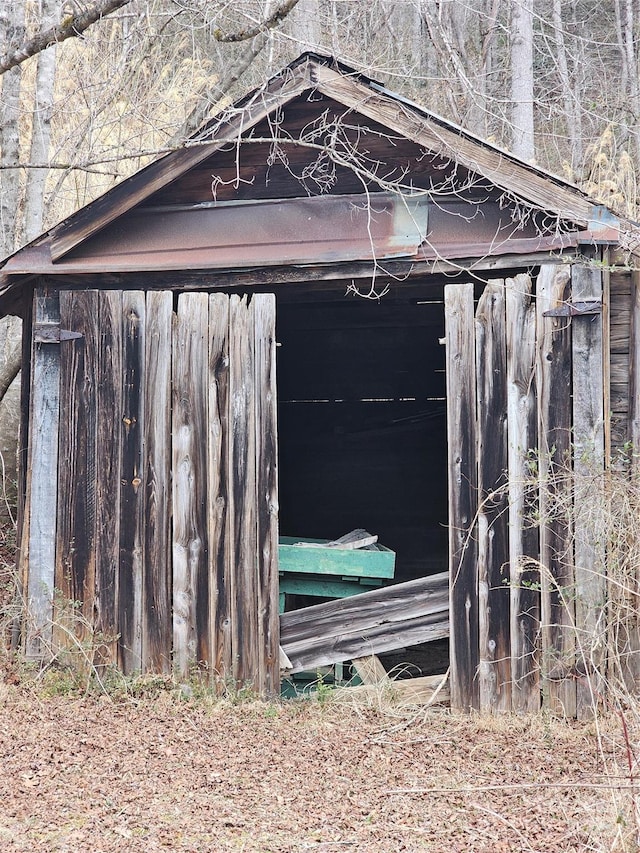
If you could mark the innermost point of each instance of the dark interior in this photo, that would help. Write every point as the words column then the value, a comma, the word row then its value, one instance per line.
column 362, row 424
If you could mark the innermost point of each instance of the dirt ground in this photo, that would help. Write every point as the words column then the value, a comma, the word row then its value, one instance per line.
column 175, row 774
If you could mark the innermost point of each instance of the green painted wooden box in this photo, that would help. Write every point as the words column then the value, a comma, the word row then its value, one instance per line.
column 338, row 562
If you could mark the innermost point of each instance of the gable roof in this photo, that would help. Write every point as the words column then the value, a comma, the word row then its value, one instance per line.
column 522, row 182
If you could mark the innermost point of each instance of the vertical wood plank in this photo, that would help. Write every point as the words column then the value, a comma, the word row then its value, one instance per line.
column 43, row 482
column 108, row 454
column 523, row 497
column 24, row 476
column 75, row 550
column 267, row 494
column 218, row 486
column 588, row 468
column 553, row 380
column 157, row 593
column 243, row 433
column 494, row 672
column 462, row 468
column 189, row 468
column 130, row 582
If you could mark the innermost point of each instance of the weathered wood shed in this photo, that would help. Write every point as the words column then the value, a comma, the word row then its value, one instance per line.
column 361, row 233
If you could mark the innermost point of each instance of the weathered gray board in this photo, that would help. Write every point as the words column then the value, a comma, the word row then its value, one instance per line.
column 381, row 620
column 165, row 533
column 540, row 604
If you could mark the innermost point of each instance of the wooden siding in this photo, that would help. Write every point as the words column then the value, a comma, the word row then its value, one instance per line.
column 536, row 412
column 151, row 576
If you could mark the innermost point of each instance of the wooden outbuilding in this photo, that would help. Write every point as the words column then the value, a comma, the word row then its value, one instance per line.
column 450, row 327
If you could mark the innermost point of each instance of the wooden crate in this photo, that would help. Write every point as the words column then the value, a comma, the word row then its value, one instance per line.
column 377, row 563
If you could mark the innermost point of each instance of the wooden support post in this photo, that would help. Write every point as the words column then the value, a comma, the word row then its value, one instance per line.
column 588, row 471
column 189, row 428
column 42, row 483
column 553, row 380
column 156, row 609
column 493, row 588
column 523, row 494
column 463, row 495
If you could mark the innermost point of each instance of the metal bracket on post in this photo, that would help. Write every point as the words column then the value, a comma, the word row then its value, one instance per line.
column 576, row 309
column 51, row 333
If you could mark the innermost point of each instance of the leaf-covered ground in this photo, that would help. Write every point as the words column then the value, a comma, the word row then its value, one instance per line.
column 163, row 773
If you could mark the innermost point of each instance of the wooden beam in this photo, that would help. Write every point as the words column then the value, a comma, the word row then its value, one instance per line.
column 42, row 482
column 266, row 493
column 463, row 494
column 189, row 468
column 381, row 620
column 553, row 380
column 156, row 476
column 494, row 672
column 588, row 470
column 524, row 551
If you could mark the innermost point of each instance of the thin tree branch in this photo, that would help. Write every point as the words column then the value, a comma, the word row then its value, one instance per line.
column 268, row 24
column 71, row 26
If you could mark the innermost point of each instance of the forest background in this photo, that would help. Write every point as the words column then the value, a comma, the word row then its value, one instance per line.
column 92, row 91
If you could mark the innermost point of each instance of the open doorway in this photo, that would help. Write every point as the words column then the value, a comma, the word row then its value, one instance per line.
column 362, row 424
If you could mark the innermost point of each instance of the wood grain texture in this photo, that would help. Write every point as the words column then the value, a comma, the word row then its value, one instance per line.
column 108, row 454
column 382, row 620
column 218, row 484
column 523, row 494
column 242, row 433
column 189, row 455
column 77, row 467
column 131, row 580
column 553, row 380
column 494, row 672
column 462, row 472
column 588, row 470
column 266, row 493
column 157, row 596
column 42, row 485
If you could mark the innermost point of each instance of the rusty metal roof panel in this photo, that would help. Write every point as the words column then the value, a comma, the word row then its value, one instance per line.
column 320, row 229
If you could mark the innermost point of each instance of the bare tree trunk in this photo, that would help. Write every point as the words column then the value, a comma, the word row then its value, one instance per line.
column 41, row 130
column 11, row 31
column 522, row 136
column 306, row 25
column 572, row 113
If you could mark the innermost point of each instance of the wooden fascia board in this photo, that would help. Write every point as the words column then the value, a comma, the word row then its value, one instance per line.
column 158, row 174
column 498, row 167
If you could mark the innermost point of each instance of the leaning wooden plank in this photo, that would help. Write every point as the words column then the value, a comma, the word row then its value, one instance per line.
column 370, row 670
column 156, row 597
column 43, row 491
column 380, row 620
column 494, row 673
column 77, row 476
column 425, row 690
column 326, row 649
column 267, row 493
column 553, row 379
column 130, row 583
column 524, row 552
column 108, row 452
column 242, row 429
column 218, row 486
column 461, row 447
column 588, row 470
column 189, row 467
